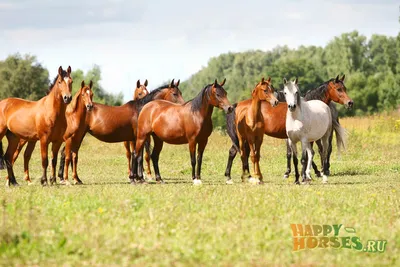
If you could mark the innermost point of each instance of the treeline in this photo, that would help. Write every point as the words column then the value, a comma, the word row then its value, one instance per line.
column 24, row 77
column 372, row 69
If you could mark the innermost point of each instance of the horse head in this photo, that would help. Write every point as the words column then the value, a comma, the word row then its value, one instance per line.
column 218, row 97
column 292, row 94
column 64, row 84
column 265, row 91
column 141, row 90
column 87, row 95
column 338, row 92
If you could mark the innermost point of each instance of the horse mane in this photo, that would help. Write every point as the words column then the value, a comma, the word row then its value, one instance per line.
column 319, row 92
column 198, row 100
column 139, row 103
column 280, row 96
column 74, row 103
column 63, row 74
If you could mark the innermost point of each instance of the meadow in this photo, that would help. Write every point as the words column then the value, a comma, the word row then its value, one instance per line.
column 108, row 222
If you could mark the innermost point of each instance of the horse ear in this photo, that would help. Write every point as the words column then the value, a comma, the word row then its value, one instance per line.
column 69, row 70
column 262, row 80
column 223, row 82
column 269, row 79
column 296, row 81
column 172, row 83
column 284, row 81
column 138, row 83
column 82, row 84
column 60, row 70
column 215, row 82
column 177, row 83
column 337, row 79
column 146, row 83
column 342, row 79
column 91, row 84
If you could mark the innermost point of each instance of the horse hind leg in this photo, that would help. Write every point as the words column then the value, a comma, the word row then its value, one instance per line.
column 232, row 154
column 27, row 157
column 147, row 158
column 128, row 154
column 288, row 159
column 155, row 156
column 13, row 141
column 325, row 150
column 314, row 166
column 54, row 151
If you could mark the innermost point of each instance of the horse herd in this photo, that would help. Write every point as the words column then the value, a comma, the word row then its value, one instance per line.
column 163, row 115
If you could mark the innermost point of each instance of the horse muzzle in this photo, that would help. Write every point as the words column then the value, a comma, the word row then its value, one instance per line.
column 292, row 107
column 67, row 99
column 349, row 104
column 274, row 103
column 89, row 107
column 228, row 109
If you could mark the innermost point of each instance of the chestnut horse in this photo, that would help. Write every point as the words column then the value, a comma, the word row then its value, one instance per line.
column 75, row 114
column 275, row 118
column 113, row 124
column 249, row 123
column 179, row 124
column 42, row 120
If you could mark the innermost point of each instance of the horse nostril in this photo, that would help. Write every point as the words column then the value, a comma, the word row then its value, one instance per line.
column 350, row 103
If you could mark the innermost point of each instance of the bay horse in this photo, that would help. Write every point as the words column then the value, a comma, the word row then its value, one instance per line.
column 249, row 123
column 139, row 93
column 42, row 120
column 177, row 124
column 113, row 124
column 275, row 118
column 307, row 121
column 75, row 114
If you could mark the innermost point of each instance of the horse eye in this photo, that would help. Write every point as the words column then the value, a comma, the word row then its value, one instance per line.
column 340, row 90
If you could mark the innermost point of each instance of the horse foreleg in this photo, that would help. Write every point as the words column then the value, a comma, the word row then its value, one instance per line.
column 44, row 146
column 244, row 155
column 27, row 157
column 200, row 150
column 306, row 148
column 325, row 151
column 128, row 154
column 66, row 154
column 231, row 157
column 55, row 147
column 147, row 158
column 257, row 146
column 12, row 146
column 288, row 159
column 155, row 155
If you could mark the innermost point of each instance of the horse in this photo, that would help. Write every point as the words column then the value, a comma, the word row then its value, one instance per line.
column 139, row 93
column 249, row 123
column 275, row 118
column 75, row 114
column 189, row 123
column 307, row 121
column 42, row 120
column 112, row 124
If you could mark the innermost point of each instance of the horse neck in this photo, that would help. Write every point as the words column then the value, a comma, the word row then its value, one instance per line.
column 320, row 94
column 255, row 107
column 298, row 113
column 54, row 99
column 206, row 108
column 80, row 109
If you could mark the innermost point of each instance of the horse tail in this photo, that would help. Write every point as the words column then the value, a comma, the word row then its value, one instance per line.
column 2, row 166
column 231, row 127
column 341, row 135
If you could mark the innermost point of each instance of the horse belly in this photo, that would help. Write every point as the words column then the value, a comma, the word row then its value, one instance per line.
column 23, row 127
column 115, row 136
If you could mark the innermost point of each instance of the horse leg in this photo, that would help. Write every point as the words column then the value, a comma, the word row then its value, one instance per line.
column 192, row 150
column 288, row 159
column 44, row 146
column 66, row 153
column 328, row 156
column 21, row 145
column 12, row 146
column 231, row 157
column 147, row 158
column 314, row 166
column 55, row 147
column 155, row 155
column 306, row 147
column 27, row 157
column 75, row 145
column 62, row 163
column 325, row 147
column 293, row 148
column 244, row 157
column 137, row 158
column 257, row 144
column 128, row 154
column 200, row 150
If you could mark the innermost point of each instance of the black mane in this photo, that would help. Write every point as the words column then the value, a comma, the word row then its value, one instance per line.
column 51, row 86
column 319, row 92
column 197, row 101
column 149, row 97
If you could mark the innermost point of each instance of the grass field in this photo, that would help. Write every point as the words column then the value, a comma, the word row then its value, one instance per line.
column 106, row 221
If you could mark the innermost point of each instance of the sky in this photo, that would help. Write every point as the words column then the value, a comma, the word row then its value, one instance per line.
column 162, row 40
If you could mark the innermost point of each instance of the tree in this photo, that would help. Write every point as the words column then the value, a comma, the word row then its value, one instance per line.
column 23, row 77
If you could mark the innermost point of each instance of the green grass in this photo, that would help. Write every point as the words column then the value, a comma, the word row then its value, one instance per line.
column 106, row 221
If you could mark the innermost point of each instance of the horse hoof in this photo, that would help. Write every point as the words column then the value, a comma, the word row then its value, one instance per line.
column 324, row 179
column 285, row 176
column 297, row 182
column 261, row 182
column 318, row 174
column 30, row 183
column 229, row 181
column 253, row 180
column 197, row 182
column 161, row 181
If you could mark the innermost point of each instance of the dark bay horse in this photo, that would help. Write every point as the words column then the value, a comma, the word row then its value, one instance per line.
column 75, row 115
column 42, row 120
column 114, row 124
column 176, row 124
column 275, row 118
column 249, row 123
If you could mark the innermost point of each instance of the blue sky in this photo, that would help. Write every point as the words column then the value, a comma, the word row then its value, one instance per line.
column 161, row 40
